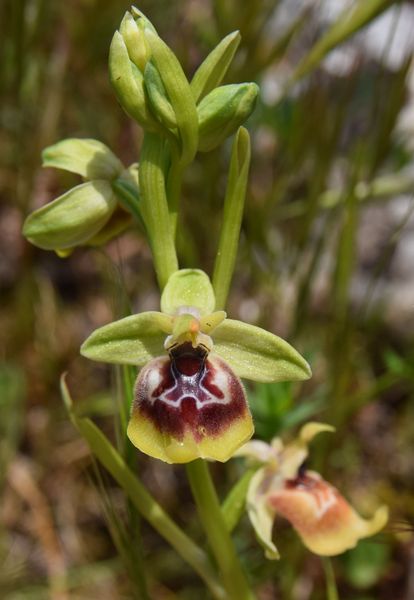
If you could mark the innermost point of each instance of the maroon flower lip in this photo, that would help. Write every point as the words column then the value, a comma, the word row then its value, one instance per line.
column 190, row 391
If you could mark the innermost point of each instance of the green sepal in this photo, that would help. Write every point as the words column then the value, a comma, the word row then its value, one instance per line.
column 261, row 516
column 73, row 218
column 259, row 355
column 134, row 340
column 128, row 83
column 212, row 70
column 134, row 37
column 87, row 157
column 179, row 93
column 160, row 104
column 118, row 223
column 188, row 287
column 222, row 111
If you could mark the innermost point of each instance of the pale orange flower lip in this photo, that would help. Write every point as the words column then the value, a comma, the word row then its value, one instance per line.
column 325, row 521
column 327, row 524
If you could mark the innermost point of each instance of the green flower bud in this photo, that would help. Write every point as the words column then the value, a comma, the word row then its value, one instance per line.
column 134, row 37
column 120, row 221
column 128, row 83
column 72, row 219
column 142, row 19
column 222, row 111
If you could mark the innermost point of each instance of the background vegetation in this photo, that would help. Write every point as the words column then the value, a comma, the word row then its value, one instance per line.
column 326, row 260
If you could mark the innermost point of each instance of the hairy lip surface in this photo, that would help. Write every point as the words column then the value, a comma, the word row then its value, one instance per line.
column 190, row 391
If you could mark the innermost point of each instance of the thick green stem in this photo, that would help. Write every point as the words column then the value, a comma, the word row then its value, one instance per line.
column 221, row 544
column 232, row 218
column 154, row 207
column 174, row 180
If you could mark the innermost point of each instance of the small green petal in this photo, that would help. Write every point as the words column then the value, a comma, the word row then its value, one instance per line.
column 210, row 322
column 89, row 158
column 256, row 354
column 310, row 430
column 134, row 340
column 188, row 287
column 73, row 218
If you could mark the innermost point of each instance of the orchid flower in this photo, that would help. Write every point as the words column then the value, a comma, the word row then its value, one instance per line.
column 189, row 400
column 89, row 213
column 324, row 520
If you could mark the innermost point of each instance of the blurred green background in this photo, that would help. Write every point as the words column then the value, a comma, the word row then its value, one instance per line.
column 326, row 260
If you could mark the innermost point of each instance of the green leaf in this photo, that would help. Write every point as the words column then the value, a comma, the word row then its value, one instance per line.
column 256, row 354
column 179, row 93
column 134, row 340
column 349, row 22
column 234, row 504
column 128, row 83
column 223, row 111
column 73, row 218
column 188, row 287
column 212, row 70
column 160, row 104
column 232, row 217
column 87, row 157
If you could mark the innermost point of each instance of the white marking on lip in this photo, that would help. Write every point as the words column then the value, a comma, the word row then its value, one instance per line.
column 154, row 379
column 191, row 388
column 324, row 499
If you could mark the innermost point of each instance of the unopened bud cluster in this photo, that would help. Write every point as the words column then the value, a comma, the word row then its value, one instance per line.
column 152, row 88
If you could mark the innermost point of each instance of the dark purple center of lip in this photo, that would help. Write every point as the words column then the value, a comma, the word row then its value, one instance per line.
column 195, row 393
column 188, row 361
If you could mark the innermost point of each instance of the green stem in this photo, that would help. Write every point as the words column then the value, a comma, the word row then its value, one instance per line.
column 174, row 181
column 215, row 527
column 331, row 590
column 232, row 217
column 154, row 207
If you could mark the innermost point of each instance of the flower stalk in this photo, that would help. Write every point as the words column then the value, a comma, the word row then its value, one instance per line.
column 214, row 524
column 155, row 207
